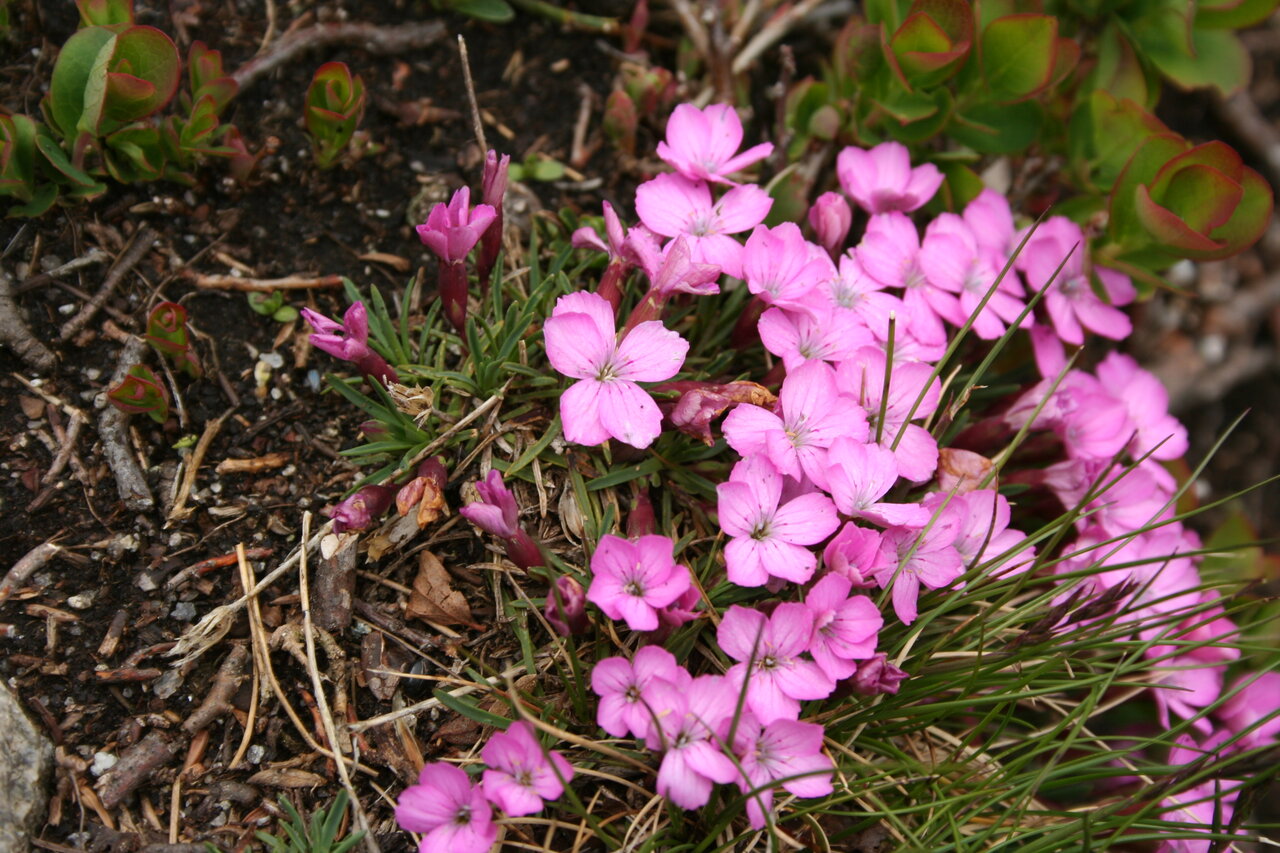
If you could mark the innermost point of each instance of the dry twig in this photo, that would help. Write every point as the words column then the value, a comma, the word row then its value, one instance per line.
column 15, row 334
column 264, row 285
column 142, row 242
column 26, row 567
column 113, row 429
column 330, row 729
column 225, row 684
column 154, row 751
column 368, row 37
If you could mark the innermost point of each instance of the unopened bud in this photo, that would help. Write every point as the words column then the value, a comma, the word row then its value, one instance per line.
column 877, row 675
column 831, row 218
column 566, row 609
column 360, row 510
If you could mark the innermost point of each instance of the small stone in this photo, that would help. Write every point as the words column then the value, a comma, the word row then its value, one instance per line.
column 24, row 772
column 102, row 762
column 183, row 611
column 254, row 754
column 80, row 601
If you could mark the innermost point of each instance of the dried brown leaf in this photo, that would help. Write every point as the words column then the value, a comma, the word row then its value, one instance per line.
column 434, row 599
column 286, row 777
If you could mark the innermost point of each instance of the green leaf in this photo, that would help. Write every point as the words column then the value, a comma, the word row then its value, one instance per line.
column 79, row 58
column 285, row 314
column 998, row 129
column 1018, row 55
column 467, row 707
column 1233, row 14
column 495, row 11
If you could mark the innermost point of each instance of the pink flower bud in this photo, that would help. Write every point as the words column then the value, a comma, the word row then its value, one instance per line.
column 877, row 676
column 640, row 521
column 496, row 511
column 831, row 218
column 566, row 609
column 360, row 510
column 493, row 188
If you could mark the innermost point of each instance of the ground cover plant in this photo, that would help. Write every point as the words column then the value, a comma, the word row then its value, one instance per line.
column 799, row 493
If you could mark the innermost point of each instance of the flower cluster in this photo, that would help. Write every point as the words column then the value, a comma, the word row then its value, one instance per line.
column 841, row 504
column 455, row 815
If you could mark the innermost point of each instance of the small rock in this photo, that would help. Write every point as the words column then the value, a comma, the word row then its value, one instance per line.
column 24, row 772
column 80, row 601
column 184, row 611
column 102, row 762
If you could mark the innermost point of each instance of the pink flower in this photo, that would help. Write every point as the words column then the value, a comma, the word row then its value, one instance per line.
column 860, row 475
column 349, row 341
column 890, row 253
column 452, row 230
column 845, row 629
column 814, row 414
column 768, row 539
column 702, row 144
column 671, row 205
column 784, row 752
column 521, row 774
column 881, row 180
column 691, row 723
column 800, row 336
column 982, row 530
column 625, row 689
column 607, row 402
column 953, row 260
column 1206, row 805
column 831, row 219
column 1252, row 710
column 852, row 554
column 452, row 812
column 1147, row 402
column 781, row 267
column 631, row 580
column 909, row 382
column 1070, row 300
column 913, row 558
column 778, row 677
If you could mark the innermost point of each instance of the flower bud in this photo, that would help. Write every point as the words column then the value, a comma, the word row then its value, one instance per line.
column 566, row 609
column 877, row 676
column 831, row 218
column 640, row 521
column 496, row 511
column 360, row 510
column 702, row 402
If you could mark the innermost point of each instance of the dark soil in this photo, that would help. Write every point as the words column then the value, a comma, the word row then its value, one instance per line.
column 292, row 219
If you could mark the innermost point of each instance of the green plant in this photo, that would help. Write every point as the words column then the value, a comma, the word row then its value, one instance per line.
column 318, row 836
column 167, row 334
column 335, row 103
column 272, row 305
column 111, row 81
column 141, row 392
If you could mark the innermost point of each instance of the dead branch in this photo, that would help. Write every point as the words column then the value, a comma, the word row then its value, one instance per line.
column 369, row 37
column 205, row 566
column 26, row 567
column 113, row 429
column 225, row 684
column 255, row 465
column 335, row 584
column 15, row 334
column 151, row 753
column 180, row 509
column 94, row 256
column 143, row 240
column 264, row 285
